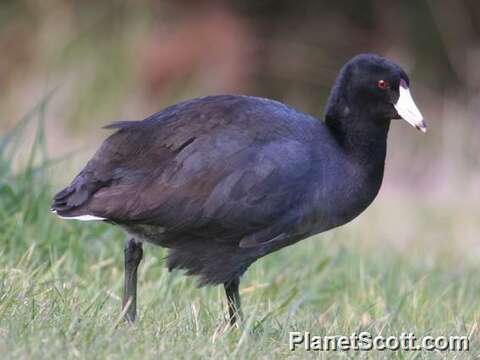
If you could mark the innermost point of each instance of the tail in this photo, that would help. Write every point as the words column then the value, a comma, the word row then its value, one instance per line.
column 69, row 203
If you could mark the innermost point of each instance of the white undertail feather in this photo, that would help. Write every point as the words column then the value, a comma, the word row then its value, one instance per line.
column 81, row 217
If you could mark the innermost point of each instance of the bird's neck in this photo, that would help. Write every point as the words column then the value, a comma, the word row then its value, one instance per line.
column 357, row 162
column 363, row 144
column 362, row 137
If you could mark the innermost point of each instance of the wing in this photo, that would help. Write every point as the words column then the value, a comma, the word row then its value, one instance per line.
column 199, row 168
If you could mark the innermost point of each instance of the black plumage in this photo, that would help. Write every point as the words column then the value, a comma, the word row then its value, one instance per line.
column 224, row 180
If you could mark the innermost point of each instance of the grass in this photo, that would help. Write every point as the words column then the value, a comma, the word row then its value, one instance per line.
column 404, row 266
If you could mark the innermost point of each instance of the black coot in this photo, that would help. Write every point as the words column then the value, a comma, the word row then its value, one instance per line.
column 224, row 180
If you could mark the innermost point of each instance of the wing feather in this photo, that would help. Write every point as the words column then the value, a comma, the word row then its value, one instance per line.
column 227, row 169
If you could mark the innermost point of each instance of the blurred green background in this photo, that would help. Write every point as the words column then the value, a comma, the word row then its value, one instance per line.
column 409, row 263
column 114, row 60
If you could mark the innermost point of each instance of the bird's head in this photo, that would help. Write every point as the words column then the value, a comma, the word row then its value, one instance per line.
column 375, row 88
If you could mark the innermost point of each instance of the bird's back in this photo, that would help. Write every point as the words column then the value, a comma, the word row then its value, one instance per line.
column 190, row 158
column 209, row 176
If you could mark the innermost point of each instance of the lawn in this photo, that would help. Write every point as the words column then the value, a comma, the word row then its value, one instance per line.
column 405, row 265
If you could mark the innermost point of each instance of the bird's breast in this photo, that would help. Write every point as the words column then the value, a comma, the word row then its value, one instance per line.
column 335, row 201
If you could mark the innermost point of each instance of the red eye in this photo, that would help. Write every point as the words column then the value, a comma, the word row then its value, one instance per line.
column 382, row 84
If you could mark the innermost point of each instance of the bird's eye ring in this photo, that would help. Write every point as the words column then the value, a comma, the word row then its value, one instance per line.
column 382, row 84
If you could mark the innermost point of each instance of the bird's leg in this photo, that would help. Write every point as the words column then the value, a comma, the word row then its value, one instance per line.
column 233, row 299
column 133, row 256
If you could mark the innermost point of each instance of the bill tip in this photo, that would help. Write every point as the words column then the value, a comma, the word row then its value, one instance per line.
column 423, row 129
